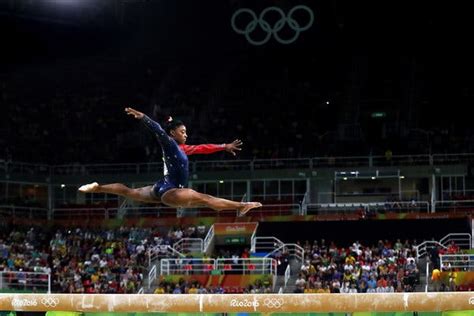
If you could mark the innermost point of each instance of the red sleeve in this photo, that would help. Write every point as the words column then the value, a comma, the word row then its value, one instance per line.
column 201, row 149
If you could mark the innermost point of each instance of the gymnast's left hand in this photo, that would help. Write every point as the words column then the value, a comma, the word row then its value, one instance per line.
column 136, row 114
column 234, row 146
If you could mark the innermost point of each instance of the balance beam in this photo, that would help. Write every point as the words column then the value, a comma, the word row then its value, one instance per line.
column 260, row 303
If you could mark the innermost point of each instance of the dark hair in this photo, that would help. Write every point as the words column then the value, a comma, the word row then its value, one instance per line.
column 171, row 125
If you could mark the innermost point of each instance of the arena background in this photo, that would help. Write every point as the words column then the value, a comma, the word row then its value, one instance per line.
column 358, row 131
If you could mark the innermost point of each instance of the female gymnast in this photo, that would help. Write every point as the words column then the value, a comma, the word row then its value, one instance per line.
column 172, row 189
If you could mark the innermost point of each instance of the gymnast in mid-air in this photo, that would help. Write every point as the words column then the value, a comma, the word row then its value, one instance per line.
column 172, row 189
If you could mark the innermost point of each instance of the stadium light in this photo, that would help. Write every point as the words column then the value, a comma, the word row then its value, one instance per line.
column 65, row 1
column 67, row 4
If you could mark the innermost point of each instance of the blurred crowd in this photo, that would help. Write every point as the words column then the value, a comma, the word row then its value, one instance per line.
column 83, row 260
column 194, row 287
column 382, row 267
column 72, row 112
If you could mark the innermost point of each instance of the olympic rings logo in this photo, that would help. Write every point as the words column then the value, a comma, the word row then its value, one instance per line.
column 273, row 302
column 50, row 301
column 276, row 28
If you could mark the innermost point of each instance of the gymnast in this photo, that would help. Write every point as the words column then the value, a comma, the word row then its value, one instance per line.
column 172, row 189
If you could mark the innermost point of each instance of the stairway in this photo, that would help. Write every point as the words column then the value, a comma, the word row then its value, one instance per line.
column 147, row 286
column 295, row 267
column 422, row 268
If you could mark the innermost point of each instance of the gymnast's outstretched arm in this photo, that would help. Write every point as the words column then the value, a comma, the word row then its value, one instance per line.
column 150, row 124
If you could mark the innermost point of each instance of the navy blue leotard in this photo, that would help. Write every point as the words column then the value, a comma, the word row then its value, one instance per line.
column 176, row 165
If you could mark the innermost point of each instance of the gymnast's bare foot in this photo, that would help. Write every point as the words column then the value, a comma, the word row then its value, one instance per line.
column 89, row 188
column 247, row 206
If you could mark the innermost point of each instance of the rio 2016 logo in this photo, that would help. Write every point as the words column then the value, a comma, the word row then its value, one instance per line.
column 23, row 302
column 244, row 303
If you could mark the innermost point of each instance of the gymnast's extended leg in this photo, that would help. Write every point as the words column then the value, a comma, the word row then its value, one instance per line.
column 143, row 194
column 188, row 198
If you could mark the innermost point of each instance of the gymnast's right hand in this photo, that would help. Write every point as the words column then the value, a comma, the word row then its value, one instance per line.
column 136, row 114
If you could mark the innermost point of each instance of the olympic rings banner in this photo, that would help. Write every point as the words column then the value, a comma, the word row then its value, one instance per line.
column 271, row 28
column 251, row 303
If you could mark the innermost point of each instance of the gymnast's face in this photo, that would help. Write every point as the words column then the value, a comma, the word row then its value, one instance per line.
column 179, row 134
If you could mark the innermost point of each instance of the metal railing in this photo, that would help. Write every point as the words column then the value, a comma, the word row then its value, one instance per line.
column 238, row 165
column 333, row 197
column 9, row 167
column 265, row 244
column 189, row 245
column 458, row 206
column 189, row 266
column 296, row 163
column 368, row 208
column 427, row 271
column 277, row 210
column 83, row 213
column 162, row 251
column 253, row 241
column 24, row 212
column 220, row 165
column 247, row 265
column 152, row 276
column 151, row 212
column 272, row 246
column 185, row 265
column 463, row 262
column 96, row 169
column 25, row 281
column 462, row 240
column 208, row 239
column 423, row 248
column 448, row 159
column 293, row 250
column 287, row 275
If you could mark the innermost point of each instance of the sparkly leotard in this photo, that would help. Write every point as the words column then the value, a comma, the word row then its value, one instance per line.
column 176, row 165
